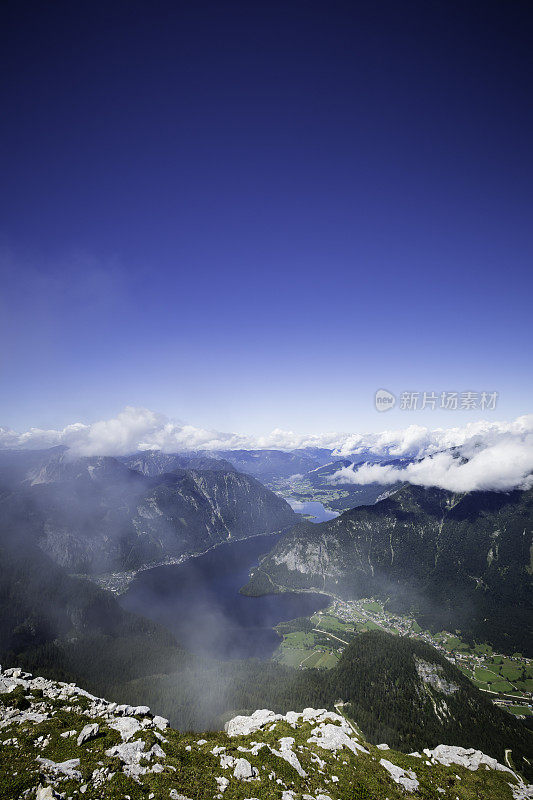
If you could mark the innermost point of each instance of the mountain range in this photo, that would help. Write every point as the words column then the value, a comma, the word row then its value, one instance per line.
column 456, row 561
column 271, row 466
column 99, row 514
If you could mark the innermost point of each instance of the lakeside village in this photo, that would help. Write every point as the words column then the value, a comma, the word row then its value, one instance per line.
column 319, row 641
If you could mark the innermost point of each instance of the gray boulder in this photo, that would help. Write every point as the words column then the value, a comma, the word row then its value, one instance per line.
column 88, row 732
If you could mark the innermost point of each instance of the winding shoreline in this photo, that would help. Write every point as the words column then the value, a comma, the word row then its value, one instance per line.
column 118, row 582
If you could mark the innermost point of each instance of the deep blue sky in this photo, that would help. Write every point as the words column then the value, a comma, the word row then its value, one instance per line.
column 250, row 215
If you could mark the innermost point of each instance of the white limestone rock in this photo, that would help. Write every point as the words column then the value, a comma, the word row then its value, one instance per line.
column 287, row 754
column 333, row 737
column 126, row 726
column 403, row 777
column 13, row 672
column 141, row 710
column 469, row 758
column 432, row 674
column 292, row 718
column 88, row 732
column 68, row 768
column 20, row 717
column 321, row 715
column 6, row 685
column 222, row 784
column 522, row 792
column 157, row 751
column 243, row 726
column 244, row 771
column 315, row 758
column 45, row 793
column 131, row 753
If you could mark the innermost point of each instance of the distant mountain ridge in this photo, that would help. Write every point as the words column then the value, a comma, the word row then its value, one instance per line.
column 272, row 465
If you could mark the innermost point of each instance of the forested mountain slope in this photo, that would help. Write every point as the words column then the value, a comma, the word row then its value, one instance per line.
column 400, row 691
column 461, row 561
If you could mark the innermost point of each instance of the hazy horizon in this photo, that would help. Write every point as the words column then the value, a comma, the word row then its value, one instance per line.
column 479, row 455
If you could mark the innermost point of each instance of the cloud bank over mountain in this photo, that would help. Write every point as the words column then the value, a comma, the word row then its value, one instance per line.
column 141, row 429
column 480, row 455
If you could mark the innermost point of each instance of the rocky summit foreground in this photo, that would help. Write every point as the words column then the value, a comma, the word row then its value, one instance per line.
column 58, row 741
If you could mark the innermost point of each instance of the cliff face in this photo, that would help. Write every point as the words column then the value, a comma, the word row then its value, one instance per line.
column 59, row 741
column 96, row 515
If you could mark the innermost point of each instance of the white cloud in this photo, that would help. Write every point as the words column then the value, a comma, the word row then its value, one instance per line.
column 416, row 441
column 496, row 455
column 141, row 429
column 132, row 429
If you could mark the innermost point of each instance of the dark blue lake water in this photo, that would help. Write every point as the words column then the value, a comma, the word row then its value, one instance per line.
column 315, row 510
column 199, row 602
